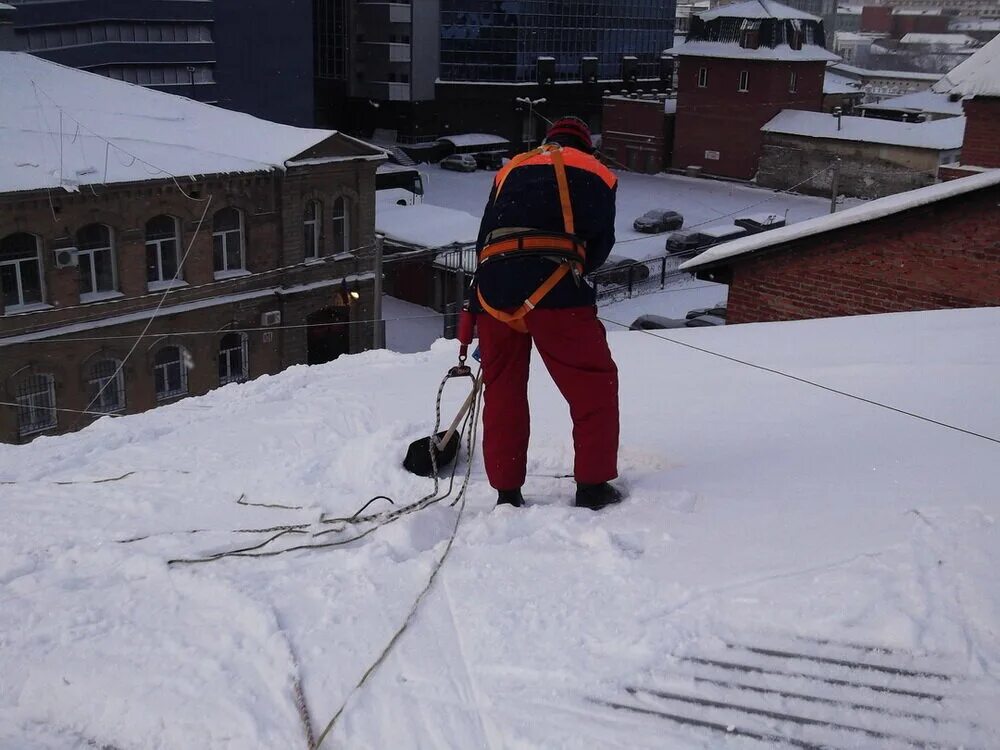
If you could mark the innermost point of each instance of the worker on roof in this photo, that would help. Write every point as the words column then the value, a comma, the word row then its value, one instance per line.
column 550, row 219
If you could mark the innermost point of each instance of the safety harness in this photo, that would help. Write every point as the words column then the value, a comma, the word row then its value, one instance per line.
column 564, row 248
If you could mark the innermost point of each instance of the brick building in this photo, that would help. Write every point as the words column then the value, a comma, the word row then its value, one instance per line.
column 152, row 247
column 740, row 65
column 927, row 249
column 639, row 131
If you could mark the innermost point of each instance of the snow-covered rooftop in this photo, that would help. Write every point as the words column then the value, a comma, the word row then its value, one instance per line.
column 949, row 40
column 424, row 225
column 834, row 83
column 781, row 53
column 943, row 135
column 920, row 101
column 977, row 76
column 757, row 9
column 475, row 139
column 62, row 127
column 903, row 75
column 870, row 211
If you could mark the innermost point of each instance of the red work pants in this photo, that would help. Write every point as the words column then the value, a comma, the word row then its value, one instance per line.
column 573, row 345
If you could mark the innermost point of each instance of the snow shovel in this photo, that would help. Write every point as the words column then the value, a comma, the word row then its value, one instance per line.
column 444, row 444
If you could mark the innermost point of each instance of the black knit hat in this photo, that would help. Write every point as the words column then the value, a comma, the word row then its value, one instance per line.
column 570, row 131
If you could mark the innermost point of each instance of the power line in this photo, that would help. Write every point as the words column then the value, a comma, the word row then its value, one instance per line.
column 814, row 384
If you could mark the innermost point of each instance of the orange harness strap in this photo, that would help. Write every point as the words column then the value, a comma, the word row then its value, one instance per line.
column 540, row 242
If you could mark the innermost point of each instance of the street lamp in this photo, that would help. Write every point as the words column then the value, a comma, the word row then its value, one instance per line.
column 528, row 133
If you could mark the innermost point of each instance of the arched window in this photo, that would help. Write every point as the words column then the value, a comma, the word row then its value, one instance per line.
column 341, row 226
column 233, row 358
column 162, row 244
column 107, row 386
column 20, row 270
column 227, row 240
column 170, row 372
column 312, row 226
column 36, row 404
column 96, row 255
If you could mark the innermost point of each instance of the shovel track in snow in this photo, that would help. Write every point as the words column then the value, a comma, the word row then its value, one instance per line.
column 813, row 693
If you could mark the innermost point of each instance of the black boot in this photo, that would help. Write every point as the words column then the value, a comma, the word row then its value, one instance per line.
column 596, row 496
column 510, row 497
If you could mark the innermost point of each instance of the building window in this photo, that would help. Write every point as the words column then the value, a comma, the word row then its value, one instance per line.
column 96, row 255
column 341, row 226
column 227, row 240
column 162, row 243
column 312, row 225
column 36, row 404
column 233, row 358
column 20, row 270
column 703, row 78
column 744, row 80
column 793, row 81
column 107, row 386
column 170, row 372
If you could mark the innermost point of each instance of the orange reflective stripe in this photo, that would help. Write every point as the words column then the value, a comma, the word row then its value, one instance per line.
column 564, row 202
column 512, row 165
column 532, row 243
column 572, row 158
column 514, row 319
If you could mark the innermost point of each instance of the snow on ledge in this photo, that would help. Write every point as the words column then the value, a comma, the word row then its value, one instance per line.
column 781, row 53
column 942, row 135
column 876, row 209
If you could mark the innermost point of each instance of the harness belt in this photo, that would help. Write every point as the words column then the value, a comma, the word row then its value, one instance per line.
column 565, row 249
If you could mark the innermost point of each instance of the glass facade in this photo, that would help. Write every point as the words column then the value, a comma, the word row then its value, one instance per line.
column 501, row 40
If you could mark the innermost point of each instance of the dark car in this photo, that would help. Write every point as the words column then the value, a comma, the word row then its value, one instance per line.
column 658, row 221
column 655, row 322
column 489, row 159
column 718, row 312
column 693, row 241
column 459, row 163
column 617, row 270
column 754, row 223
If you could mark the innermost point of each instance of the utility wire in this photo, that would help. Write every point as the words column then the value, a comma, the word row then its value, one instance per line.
column 808, row 382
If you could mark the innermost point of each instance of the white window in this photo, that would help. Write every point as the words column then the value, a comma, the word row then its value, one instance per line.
column 107, row 386
column 702, row 78
column 233, row 358
column 312, row 226
column 36, row 404
column 341, row 226
column 227, row 240
column 793, row 80
column 162, row 249
column 97, row 260
column 170, row 372
column 20, row 270
column 744, row 80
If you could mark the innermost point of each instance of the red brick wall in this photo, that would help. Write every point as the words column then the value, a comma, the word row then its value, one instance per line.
column 981, row 147
column 634, row 133
column 943, row 256
column 719, row 118
column 876, row 18
column 903, row 24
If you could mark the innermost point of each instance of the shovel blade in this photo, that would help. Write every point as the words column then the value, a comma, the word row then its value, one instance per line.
column 418, row 455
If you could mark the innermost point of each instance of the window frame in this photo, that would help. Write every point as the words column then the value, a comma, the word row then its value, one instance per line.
column 224, row 236
column 225, row 354
column 88, row 255
column 181, row 388
column 19, row 274
column 703, row 77
column 793, row 82
column 156, row 245
column 28, row 403
column 313, row 230
column 341, row 226
column 99, row 389
column 743, row 86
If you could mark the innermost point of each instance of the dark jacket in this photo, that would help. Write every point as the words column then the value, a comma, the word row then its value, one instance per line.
column 527, row 197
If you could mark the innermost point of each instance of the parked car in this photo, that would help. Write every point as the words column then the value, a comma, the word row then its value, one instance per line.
column 691, row 242
column 658, row 220
column 489, row 159
column 718, row 312
column 754, row 223
column 655, row 322
column 459, row 163
column 616, row 270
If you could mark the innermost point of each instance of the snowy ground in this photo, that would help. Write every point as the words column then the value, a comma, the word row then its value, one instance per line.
column 765, row 517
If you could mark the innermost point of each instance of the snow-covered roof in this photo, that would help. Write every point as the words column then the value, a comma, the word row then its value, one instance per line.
column 5, row 6
column 780, row 53
column 849, row 10
column 475, row 139
column 950, row 40
column 424, row 225
column 834, row 83
column 977, row 76
column 757, row 9
column 920, row 101
column 904, row 75
column 62, row 127
column 978, row 25
column 940, row 135
column 870, row 211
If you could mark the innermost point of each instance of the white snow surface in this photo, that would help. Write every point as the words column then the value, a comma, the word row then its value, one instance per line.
column 950, row 40
column 760, row 511
column 781, row 53
column 945, row 134
column 62, row 127
column 838, row 84
column 875, row 209
column 757, row 9
column 920, row 101
column 425, row 225
column 977, row 76
column 475, row 139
